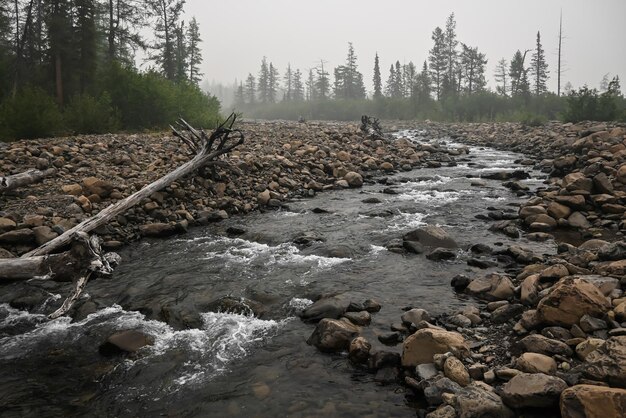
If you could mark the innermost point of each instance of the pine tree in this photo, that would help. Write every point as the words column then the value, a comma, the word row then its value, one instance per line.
column 125, row 21
column 422, row 85
column 194, row 56
column 298, row 87
column 264, row 82
column 409, row 73
column 391, row 82
column 501, row 77
column 348, row 80
column 167, row 14
column 180, row 53
column 378, row 93
column 539, row 68
column 438, row 61
column 272, row 84
column 250, row 89
column 86, row 36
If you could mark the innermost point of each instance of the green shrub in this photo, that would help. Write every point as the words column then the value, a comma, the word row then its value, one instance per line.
column 32, row 113
column 532, row 119
column 86, row 114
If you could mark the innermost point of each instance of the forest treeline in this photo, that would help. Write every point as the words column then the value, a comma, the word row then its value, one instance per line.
column 69, row 66
column 450, row 85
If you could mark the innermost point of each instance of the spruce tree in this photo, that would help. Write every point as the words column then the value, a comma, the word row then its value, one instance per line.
column 240, row 97
column 298, row 87
column 378, row 93
column 194, row 55
column 311, row 87
column 124, row 23
column 264, row 82
column 322, row 83
column 451, row 53
column 438, row 61
column 473, row 64
column 288, row 96
column 519, row 74
column 250, row 89
column 391, row 82
column 539, row 68
column 167, row 14
column 273, row 84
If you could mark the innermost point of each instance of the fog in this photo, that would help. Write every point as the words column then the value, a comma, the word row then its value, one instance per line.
column 237, row 34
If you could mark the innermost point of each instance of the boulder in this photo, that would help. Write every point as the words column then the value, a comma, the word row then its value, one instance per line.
column 421, row 346
column 536, row 343
column 536, row 363
column 613, row 251
column 569, row 300
column 331, row 335
column 536, row 390
column 608, row 362
column 44, row 234
column 7, row 224
column 431, row 236
column 353, row 179
column 158, row 230
column 587, row 347
column 444, row 411
column 587, row 401
column 578, row 220
column 359, row 350
column 577, row 181
column 491, row 287
column 558, row 211
column 22, row 236
column 440, row 254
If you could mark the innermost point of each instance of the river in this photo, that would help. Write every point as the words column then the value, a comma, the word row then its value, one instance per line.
column 240, row 365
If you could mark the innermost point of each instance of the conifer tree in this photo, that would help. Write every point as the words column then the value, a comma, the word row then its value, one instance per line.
column 194, row 55
column 124, row 22
column 288, row 96
column 322, row 83
column 240, row 98
column 264, row 82
column 311, row 87
column 298, row 87
column 501, row 77
column 473, row 64
column 539, row 68
column 250, row 89
column 438, row 61
column 519, row 74
column 378, row 93
column 167, row 14
column 391, row 81
column 451, row 53
column 272, row 84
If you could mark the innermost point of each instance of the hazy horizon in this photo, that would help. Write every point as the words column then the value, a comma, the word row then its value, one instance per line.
column 302, row 34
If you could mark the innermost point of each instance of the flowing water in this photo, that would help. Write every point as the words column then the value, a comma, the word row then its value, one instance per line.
column 240, row 365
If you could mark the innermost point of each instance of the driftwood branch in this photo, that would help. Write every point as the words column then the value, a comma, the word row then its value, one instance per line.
column 371, row 127
column 23, row 179
column 224, row 136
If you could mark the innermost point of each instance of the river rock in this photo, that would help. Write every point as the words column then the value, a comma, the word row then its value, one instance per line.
column 491, row 287
column 559, row 211
column 479, row 400
column 24, row 236
column 359, row 350
column 444, row 411
column 440, row 254
column 454, row 370
column 158, row 230
column 608, row 362
column 353, row 179
column 237, row 305
column 331, row 307
column 536, row 390
column 587, row 347
column 94, row 185
column 415, row 316
column 431, row 236
column 578, row 220
column 129, row 341
column 362, row 318
column 7, row 224
column 331, row 335
column 536, row 343
column 421, row 346
column 536, row 363
column 613, row 252
column 569, row 300
column 587, row 401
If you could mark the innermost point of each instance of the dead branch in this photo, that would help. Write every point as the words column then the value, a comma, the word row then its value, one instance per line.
column 23, row 179
column 225, row 138
column 371, row 127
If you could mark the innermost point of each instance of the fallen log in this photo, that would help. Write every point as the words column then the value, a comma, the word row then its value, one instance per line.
column 207, row 149
column 23, row 179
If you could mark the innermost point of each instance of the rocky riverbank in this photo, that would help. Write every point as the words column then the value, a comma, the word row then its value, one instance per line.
column 546, row 338
column 545, row 335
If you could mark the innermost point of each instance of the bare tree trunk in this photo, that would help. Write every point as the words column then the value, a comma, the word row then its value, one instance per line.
column 558, row 71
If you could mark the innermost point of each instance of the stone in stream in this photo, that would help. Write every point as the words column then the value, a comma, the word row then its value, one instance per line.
column 587, row 401
column 440, row 254
column 241, row 306
column 129, row 341
column 359, row 350
column 491, row 287
column 331, row 307
column 431, row 236
column 332, row 335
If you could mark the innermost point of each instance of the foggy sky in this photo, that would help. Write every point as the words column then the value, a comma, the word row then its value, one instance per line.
column 238, row 33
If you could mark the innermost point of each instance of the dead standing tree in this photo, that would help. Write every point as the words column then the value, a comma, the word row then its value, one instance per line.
column 207, row 149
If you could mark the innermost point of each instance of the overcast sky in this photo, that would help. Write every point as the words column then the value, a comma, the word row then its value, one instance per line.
column 238, row 33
